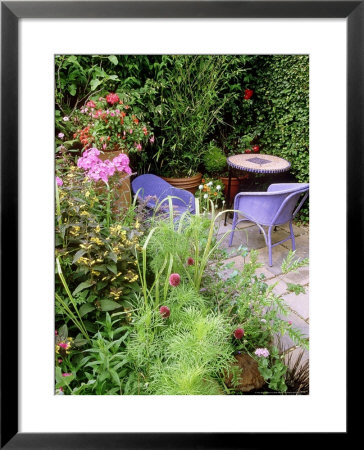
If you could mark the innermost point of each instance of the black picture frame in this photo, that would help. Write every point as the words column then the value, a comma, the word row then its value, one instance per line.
column 11, row 12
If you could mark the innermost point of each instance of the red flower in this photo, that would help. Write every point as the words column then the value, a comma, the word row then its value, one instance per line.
column 174, row 279
column 248, row 94
column 164, row 312
column 238, row 333
column 190, row 262
column 255, row 148
column 112, row 98
column 247, row 150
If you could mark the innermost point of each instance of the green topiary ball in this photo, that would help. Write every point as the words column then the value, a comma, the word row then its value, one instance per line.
column 214, row 160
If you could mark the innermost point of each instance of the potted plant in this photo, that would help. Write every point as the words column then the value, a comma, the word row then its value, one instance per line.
column 215, row 164
column 108, row 124
column 191, row 106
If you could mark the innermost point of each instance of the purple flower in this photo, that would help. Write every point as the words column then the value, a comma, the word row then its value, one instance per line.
column 61, row 135
column 262, row 352
column 59, row 181
column 238, row 333
column 164, row 312
column 174, row 279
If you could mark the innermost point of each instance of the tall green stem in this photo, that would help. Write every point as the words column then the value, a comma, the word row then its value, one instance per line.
column 108, row 211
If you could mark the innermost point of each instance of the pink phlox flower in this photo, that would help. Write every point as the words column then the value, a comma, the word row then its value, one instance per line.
column 139, row 147
column 91, row 104
column 66, row 374
column 61, row 135
column 121, row 162
column 262, row 352
column 59, row 181
column 151, row 140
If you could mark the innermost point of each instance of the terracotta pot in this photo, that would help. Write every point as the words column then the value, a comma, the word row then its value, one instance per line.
column 189, row 184
column 234, row 187
column 121, row 193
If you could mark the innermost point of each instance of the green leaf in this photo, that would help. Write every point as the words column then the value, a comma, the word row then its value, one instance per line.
column 95, row 83
column 108, row 305
column 113, row 59
column 86, row 308
column 112, row 268
column 72, row 89
column 115, row 377
column 82, row 286
column 78, row 255
column 63, row 332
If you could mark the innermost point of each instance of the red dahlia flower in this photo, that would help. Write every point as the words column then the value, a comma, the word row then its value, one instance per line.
column 174, row 279
column 247, row 150
column 238, row 333
column 248, row 94
column 255, row 148
column 164, row 312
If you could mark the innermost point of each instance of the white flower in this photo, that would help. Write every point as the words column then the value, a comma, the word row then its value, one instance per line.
column 223, row 202
column 201, row 187
column 209, row 183
column 218, row 187
column 206, row 196
column 263, row 321
column 66, row 119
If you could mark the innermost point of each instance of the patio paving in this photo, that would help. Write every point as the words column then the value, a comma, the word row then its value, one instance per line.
column 249, row 236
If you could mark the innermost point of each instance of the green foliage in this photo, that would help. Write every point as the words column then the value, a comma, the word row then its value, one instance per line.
column 96, row 259
column 192, row 106
column 296, row 288
column 214, row 160
column 281, row 109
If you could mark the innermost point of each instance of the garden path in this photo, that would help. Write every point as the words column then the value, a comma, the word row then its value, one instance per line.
column 248, row 234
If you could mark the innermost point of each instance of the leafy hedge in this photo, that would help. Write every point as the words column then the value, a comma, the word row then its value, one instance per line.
column 281, row 109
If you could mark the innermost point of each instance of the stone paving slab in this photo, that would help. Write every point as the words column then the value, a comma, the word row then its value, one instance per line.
column 239, row 263
column 297, row 230
column 298, row 303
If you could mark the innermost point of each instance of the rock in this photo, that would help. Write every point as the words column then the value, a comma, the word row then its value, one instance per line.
column 250, row 377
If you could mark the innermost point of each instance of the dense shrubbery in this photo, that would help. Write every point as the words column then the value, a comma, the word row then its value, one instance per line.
column 248, row 99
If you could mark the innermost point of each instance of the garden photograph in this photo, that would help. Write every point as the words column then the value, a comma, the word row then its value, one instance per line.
column 181, row 224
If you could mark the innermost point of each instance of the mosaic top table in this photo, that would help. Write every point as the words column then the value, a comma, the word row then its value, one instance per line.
column 255, row 163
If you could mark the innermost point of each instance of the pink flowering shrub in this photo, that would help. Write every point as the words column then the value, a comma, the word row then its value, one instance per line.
column 97, row 169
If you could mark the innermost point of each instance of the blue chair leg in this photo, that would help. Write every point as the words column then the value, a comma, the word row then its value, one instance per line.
column 235, row 219
column 292, row 236
column 270, row 246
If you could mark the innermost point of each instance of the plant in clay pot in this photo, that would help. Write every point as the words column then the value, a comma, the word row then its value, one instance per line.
column 109, row 125
column 190, row 110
